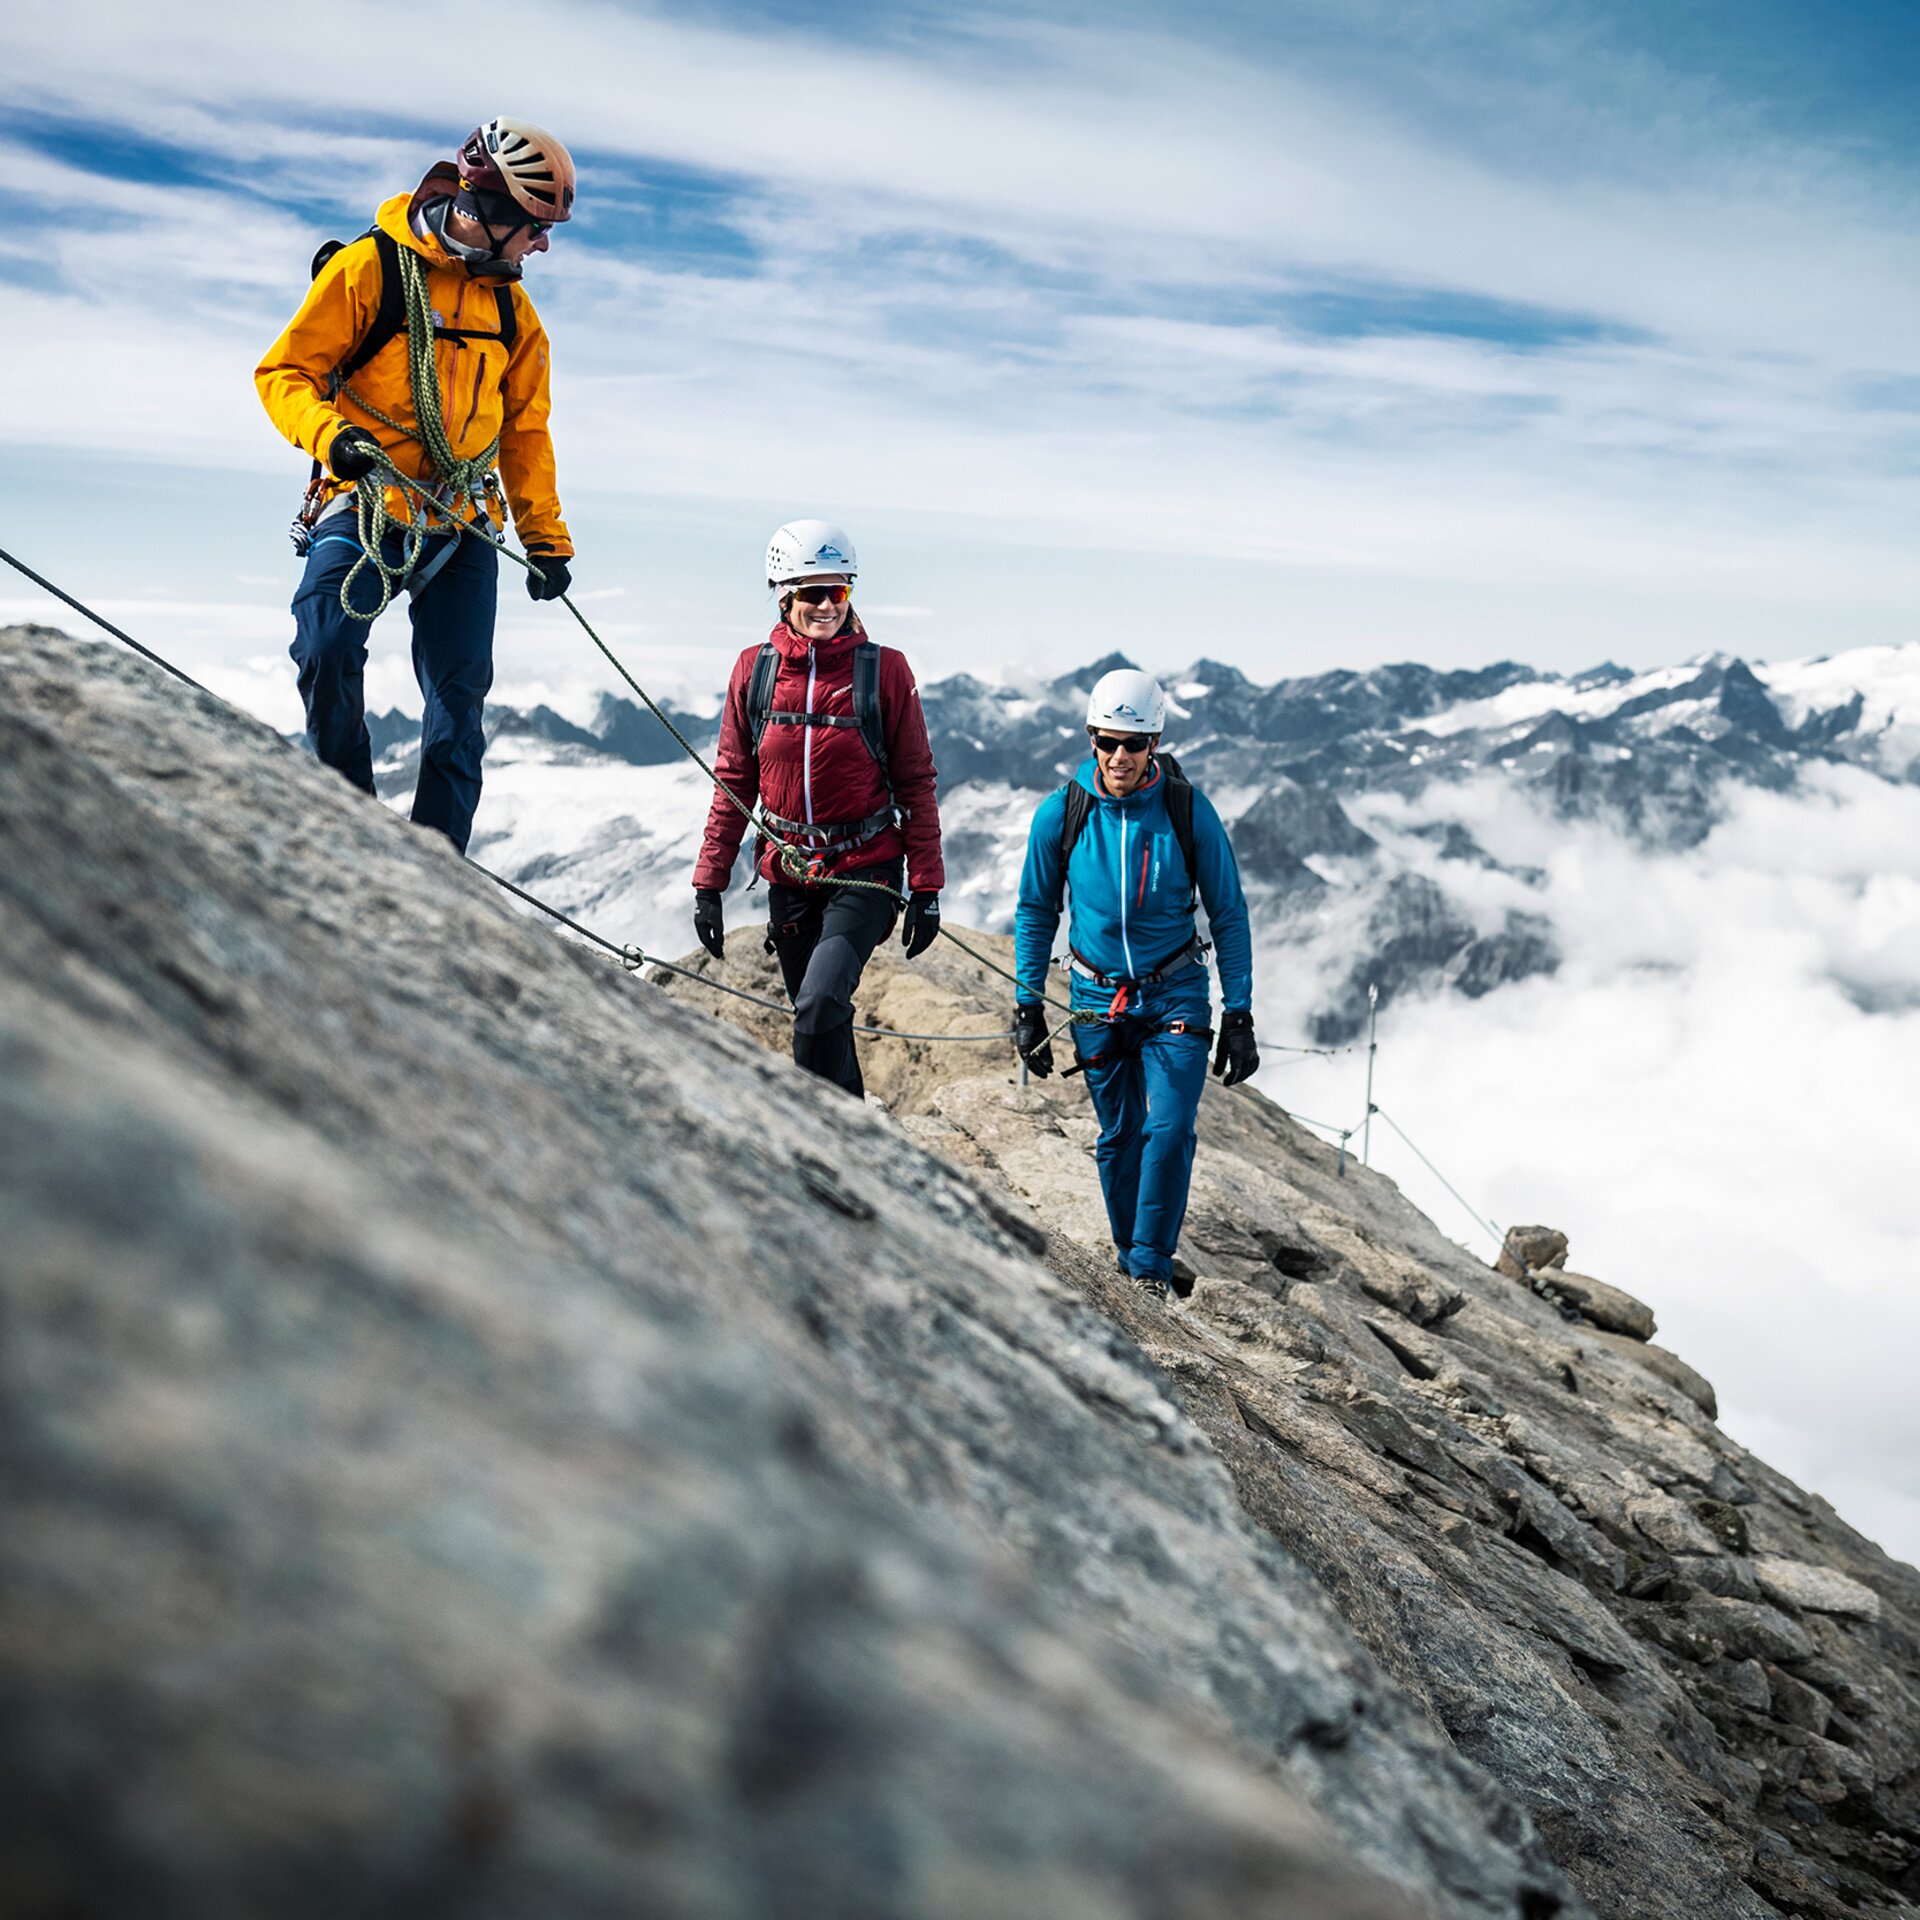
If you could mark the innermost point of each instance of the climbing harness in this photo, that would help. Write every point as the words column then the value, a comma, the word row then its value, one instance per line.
column 1127, row 1033
column 1126, row 986
column 845, row 834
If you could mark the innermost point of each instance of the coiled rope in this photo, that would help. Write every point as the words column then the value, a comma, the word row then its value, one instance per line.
column 465, row 483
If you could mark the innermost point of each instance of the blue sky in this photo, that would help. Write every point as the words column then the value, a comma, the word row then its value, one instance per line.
column 1297, row 335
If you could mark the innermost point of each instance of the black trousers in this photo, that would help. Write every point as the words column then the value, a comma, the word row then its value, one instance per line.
column 823, row 938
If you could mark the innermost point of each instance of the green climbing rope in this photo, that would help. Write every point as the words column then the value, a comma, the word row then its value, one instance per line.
column 465, row 485
column 795, row 861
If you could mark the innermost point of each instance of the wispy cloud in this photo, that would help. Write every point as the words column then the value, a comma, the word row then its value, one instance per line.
column 1335, row 300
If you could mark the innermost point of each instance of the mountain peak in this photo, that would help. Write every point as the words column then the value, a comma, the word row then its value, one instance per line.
column 1081, row 679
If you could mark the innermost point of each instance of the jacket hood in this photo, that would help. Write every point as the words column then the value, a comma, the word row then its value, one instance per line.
column 395, row 218
column 794, row 647
column 1089, row 777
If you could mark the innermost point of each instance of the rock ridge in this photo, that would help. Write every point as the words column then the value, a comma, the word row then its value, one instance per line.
column 486, row 1437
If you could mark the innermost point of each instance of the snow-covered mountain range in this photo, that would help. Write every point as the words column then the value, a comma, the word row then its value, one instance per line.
column 1391, row 824
column 1648, row 947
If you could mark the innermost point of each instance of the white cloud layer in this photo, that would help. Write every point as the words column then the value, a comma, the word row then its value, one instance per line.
column 1702, row 1100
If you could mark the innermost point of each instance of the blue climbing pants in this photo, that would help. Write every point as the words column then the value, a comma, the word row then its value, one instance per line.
column 1146, row 1085
column 452, row 662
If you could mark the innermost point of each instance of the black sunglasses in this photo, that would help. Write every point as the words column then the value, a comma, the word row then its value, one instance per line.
column 1113, row 742
column 500, row 210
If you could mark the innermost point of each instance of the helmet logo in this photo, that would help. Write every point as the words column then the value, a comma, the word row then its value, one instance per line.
column 828, row 552
column 1124, row 712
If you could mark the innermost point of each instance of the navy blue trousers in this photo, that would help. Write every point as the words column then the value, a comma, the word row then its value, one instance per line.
column 452, row 661
column 1146, row 1091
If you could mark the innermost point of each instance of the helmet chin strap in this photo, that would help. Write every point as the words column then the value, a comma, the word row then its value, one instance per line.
column 483, row 263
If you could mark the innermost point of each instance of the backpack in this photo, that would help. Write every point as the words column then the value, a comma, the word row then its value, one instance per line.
column 389, row 321
column 1079, row 810
column 866, row 702
column 390, row 318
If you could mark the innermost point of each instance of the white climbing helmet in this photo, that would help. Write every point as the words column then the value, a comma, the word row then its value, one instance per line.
column 1127, row 701
column 802, row 547
column 522, row 161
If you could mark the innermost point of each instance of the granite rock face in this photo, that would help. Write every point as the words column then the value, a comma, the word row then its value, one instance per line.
column 484, row 1437
column 1702, row 1686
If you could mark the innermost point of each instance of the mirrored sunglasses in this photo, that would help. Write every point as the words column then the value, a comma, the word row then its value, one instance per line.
column 1113, row 742
column 824, row 594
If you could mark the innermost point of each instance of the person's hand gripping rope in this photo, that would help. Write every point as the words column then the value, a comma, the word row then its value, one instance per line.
column 1031, row 1038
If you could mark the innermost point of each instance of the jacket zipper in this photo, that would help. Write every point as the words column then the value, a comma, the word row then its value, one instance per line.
column 806, row 749
column 1126, row 948
column 1139, row 899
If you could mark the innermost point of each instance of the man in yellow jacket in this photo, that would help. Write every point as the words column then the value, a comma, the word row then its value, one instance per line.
column 340, row 384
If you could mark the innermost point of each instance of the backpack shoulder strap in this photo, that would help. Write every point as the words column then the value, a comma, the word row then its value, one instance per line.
column 1180, row 818
column 389, row 317
column 866, row 704
column 1074, row 815
column 1180, row 814
column 766, row 669
column 509, row 315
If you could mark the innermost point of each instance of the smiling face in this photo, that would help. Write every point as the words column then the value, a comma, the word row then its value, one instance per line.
column 1123, row 759
column 818, row 606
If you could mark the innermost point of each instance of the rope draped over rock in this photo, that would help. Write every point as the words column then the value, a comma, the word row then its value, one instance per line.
column 1073, row 1017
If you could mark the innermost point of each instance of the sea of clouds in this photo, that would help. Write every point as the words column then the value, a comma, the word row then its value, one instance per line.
column 1713, row 1097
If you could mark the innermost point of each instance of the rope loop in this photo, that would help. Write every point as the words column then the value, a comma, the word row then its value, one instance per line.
column 465, row 487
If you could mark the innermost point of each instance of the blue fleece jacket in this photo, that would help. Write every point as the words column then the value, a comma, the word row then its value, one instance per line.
column 1130, row 889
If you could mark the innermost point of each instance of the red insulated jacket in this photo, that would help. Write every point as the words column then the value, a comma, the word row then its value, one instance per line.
column 825, row 774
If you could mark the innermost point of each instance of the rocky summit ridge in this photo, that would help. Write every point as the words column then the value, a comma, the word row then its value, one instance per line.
column 486, row 1436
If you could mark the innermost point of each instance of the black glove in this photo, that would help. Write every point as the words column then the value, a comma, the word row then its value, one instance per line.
column 353, row 453
column 1236, row 1058
column 558, row 577
column 1030, row 1038
column 709, row 922
column 921, row 927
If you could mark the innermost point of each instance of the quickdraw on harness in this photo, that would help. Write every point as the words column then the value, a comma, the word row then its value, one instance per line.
column 466, row 488
column 811, row 865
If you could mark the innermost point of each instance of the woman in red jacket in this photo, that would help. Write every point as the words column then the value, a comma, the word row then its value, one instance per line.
column 823, row 732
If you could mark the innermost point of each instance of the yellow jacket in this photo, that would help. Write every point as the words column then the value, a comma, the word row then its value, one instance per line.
column 484, row 390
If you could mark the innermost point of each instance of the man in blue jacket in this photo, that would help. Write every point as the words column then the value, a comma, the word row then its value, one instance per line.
column 1135, row 845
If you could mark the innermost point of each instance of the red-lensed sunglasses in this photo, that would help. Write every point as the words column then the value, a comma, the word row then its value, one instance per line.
column 1113, row 742
column 826, row 595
